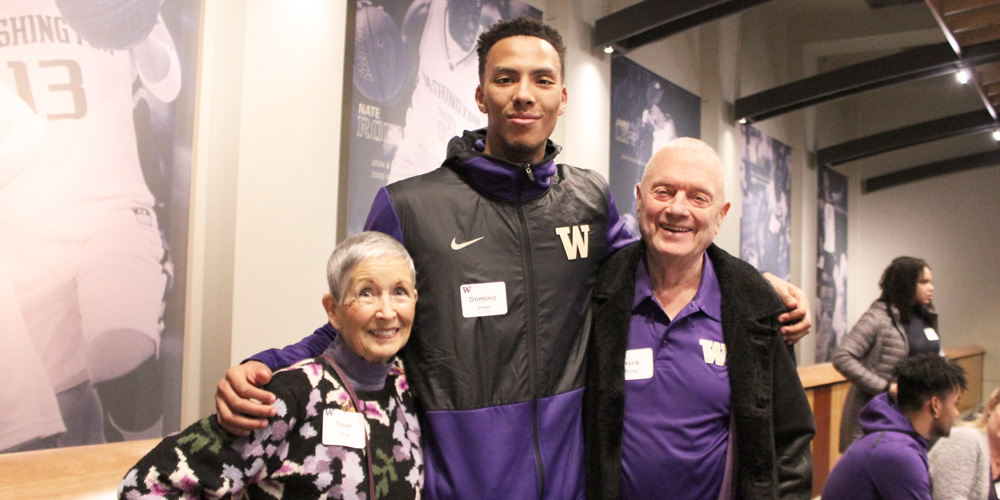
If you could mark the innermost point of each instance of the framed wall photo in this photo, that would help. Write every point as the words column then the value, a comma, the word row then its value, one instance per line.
column 411, row 78
column 95, row 180
column 765, row 232
column 831, row 262
column 647, row 111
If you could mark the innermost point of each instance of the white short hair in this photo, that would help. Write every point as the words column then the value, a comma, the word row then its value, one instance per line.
column 361, row 247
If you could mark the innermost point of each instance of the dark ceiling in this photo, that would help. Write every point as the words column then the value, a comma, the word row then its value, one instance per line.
column 970, row 39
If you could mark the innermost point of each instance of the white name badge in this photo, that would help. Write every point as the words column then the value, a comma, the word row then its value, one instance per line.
column 638, row 364
column 484, row 299
column 341, row 428
column 931, row 334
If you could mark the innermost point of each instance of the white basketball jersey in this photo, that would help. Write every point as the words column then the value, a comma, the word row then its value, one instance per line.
column 86, row 165
column 443, row 102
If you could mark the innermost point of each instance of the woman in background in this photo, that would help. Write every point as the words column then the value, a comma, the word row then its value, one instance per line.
column 901, row 323
column 966, row 465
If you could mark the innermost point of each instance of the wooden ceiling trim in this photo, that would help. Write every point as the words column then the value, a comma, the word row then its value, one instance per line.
column 992, row 91
column 939, row 18
column 974, row 19
column 988, row 74
column 975, row 37
column 949, row 7
column 988, row 103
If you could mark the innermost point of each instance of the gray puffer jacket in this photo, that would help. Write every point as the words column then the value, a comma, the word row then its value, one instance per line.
column 867, row 357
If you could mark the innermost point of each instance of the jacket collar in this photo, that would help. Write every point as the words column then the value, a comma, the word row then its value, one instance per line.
column 500, row 178
column 739, row 301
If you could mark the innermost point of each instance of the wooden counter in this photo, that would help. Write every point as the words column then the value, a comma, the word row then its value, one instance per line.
column 82, row 472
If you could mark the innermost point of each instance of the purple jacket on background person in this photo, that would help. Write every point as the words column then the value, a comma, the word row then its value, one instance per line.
column 888, row 461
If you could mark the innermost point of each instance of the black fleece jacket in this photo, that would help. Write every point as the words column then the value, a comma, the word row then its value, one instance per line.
column 773, row 421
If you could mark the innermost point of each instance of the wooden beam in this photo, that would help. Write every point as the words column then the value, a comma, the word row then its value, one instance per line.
column 979, row 160
column 961, row 124
column 913, row 64
column 651, row 20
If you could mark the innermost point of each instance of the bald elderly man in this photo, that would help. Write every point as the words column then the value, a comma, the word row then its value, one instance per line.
column 698, row 395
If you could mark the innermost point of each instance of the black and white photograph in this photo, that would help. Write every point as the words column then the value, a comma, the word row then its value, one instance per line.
column 647, row 111
column 413, row 85
column 765, row 234
column 831, row 262
column 95, row 175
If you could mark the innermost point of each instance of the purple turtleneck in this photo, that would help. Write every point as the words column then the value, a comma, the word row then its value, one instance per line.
column 363, row 375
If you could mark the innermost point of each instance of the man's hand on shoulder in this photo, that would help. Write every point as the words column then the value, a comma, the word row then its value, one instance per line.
column 798, row 319
column 239, row 402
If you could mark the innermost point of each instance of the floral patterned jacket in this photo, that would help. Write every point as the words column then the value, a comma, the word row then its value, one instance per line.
column 289, row 458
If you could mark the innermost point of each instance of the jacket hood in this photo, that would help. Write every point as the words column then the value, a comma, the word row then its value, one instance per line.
column 500, row 178
column 882, row 414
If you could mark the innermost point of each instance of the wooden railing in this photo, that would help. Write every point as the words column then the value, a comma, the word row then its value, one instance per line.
column 827, row 390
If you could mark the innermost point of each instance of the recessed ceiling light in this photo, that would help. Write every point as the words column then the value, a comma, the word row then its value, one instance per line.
column 963, row 76
column 609, row 49
column 996, row 135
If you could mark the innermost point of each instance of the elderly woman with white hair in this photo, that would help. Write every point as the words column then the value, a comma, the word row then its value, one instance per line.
column 345, row 425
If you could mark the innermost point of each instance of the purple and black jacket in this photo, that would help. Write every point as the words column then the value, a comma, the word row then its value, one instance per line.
column 500, row 395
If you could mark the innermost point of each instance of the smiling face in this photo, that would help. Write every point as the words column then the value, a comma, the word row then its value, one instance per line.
column 925, row 287
column 680, row 201
column 377, row 310
column 522, row 94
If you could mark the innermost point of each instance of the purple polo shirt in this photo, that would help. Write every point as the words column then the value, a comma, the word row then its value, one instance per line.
column 676, row 395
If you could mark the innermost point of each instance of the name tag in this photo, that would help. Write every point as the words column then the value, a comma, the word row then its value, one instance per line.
column 341, row 428
column 484, row 299
column 639, row 364
column 931, row 334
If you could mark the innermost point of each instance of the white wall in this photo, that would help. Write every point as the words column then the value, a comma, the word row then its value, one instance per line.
column 949, row 221
column 286, row 209
column 265, row 208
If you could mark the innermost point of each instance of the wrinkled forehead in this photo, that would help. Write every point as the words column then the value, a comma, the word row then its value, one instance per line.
column 687, row 165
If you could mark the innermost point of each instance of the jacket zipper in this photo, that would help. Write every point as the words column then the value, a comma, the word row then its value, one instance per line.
column 532, row 331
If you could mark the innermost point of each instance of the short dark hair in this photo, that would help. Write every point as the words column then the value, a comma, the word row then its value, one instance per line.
column 924, row 375
column 520, row 26
column 899, row 284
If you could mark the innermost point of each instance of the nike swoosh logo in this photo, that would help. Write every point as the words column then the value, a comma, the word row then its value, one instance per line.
column 458, row 246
